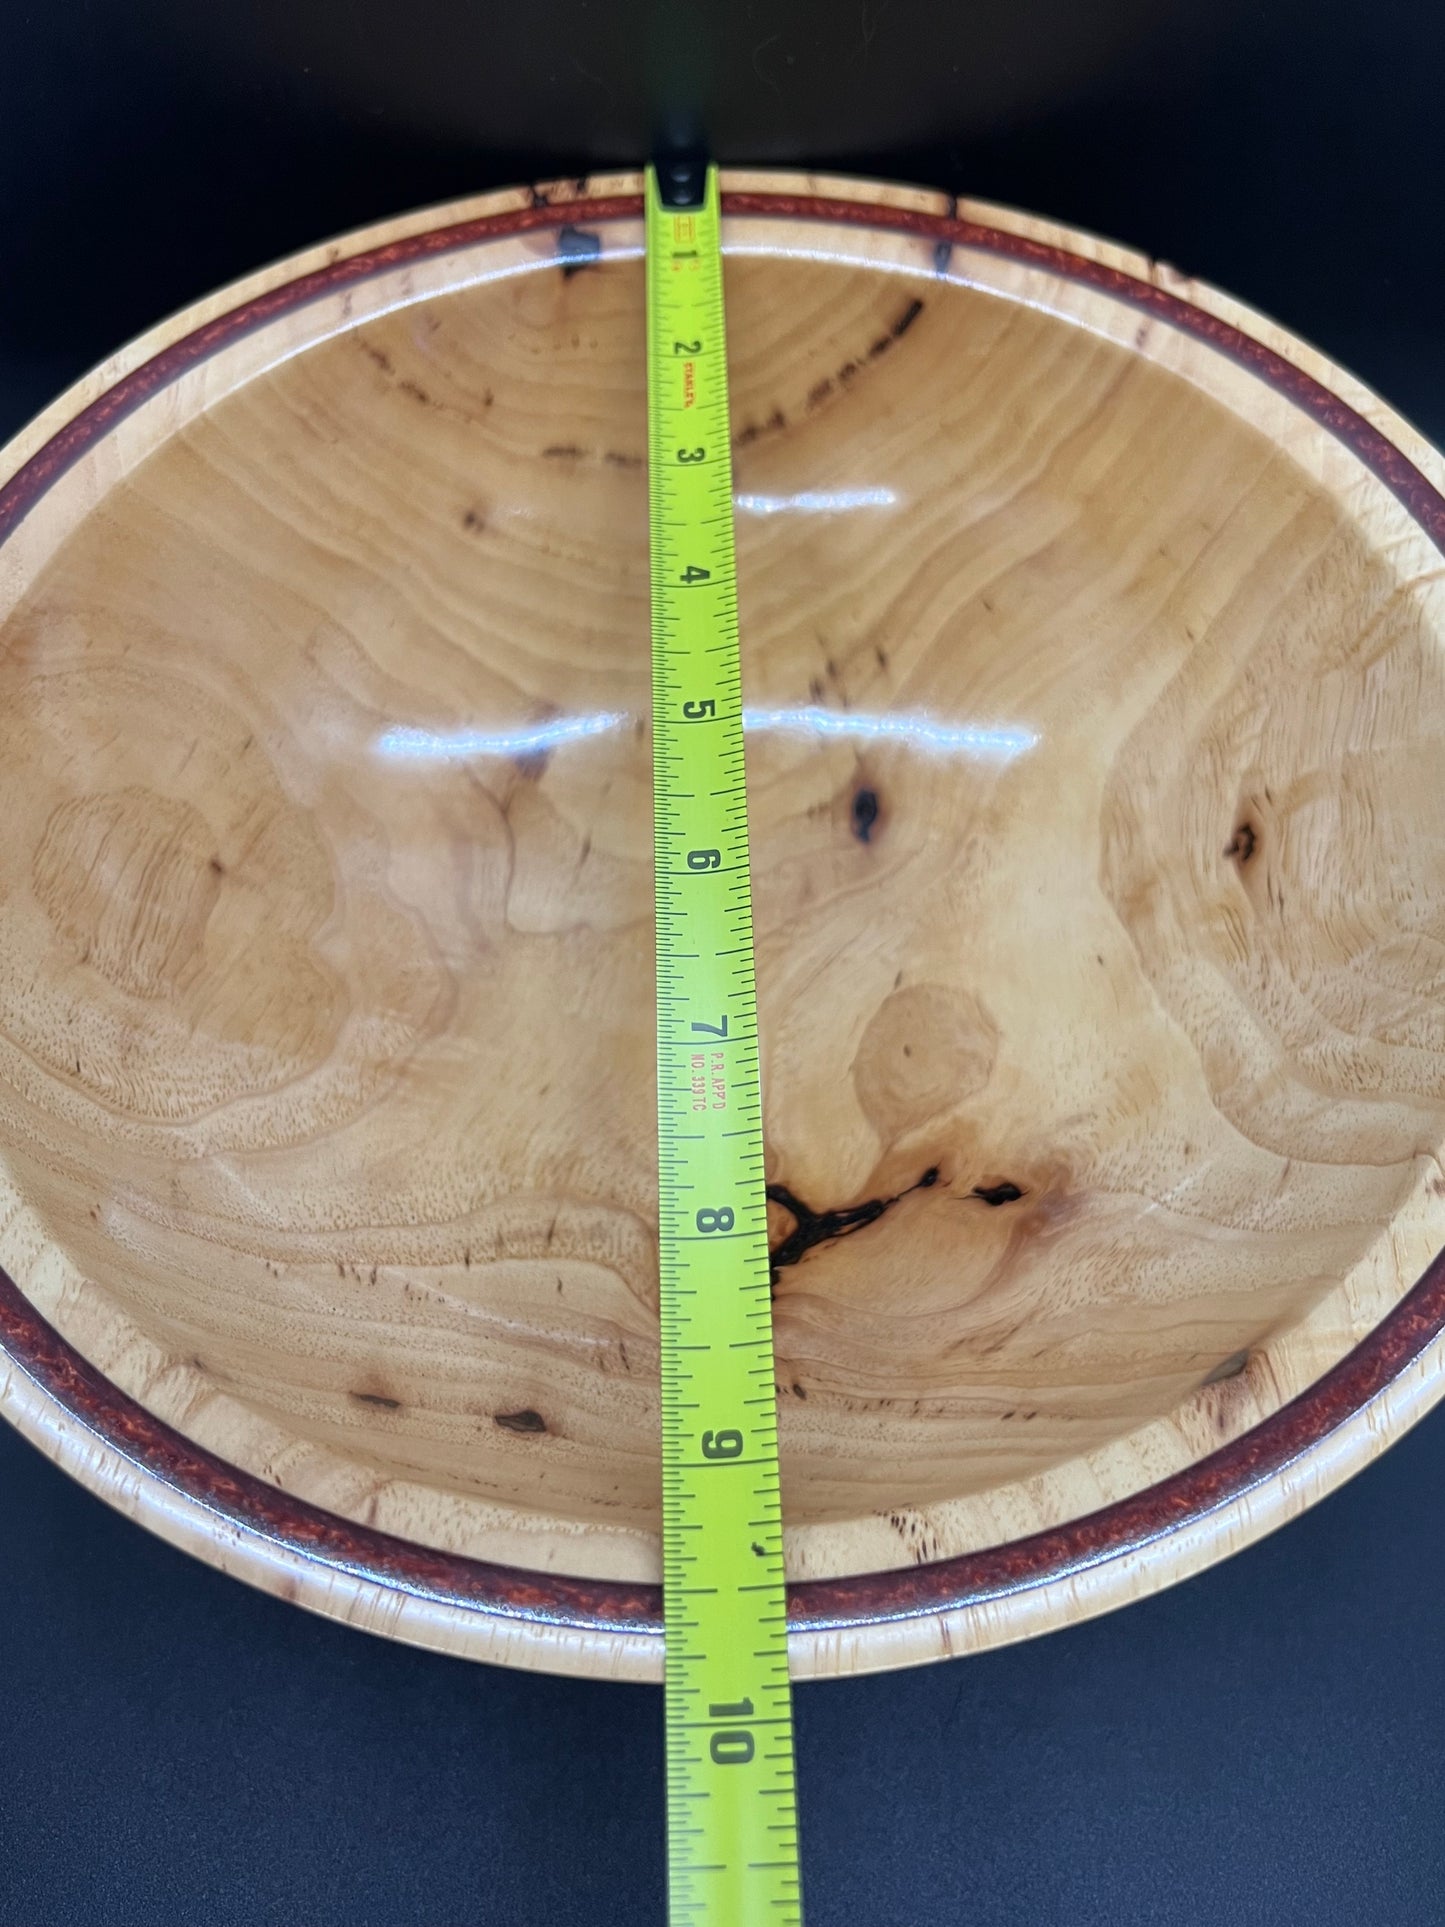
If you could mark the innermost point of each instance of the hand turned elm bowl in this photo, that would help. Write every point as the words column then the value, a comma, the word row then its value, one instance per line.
column 1093, row 657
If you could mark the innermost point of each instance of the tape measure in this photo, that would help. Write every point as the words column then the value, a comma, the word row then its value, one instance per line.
column 731, row 1805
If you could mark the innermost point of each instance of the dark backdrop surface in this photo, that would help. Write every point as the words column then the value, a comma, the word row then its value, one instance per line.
column 1265, row 1744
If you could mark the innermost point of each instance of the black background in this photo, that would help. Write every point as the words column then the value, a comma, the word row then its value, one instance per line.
column 1264, row 1744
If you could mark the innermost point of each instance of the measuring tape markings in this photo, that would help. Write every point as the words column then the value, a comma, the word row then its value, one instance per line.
column 732, row 1823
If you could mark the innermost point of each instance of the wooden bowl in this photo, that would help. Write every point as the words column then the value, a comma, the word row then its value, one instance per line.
column 1094, row 636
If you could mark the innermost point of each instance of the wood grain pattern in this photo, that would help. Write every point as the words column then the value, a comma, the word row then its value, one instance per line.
column 1093, row 689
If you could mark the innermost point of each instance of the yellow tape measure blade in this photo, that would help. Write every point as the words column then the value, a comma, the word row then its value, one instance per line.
column 732, row 1818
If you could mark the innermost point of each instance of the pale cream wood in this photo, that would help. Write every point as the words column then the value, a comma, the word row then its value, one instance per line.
column 1100, row 851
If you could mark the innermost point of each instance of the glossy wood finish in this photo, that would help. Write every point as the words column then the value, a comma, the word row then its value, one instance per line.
column 1100, row 855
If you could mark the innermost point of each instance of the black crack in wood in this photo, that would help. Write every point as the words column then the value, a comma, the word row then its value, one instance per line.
column 997, row 1194
column 897, row 328
column 943, row 250
column 1230, row 1367
column 906, row 319
column 821, row 1227
column 577, row 248
column 562, row 452
column 526, row 1422
column 1243, row 844
column 754, row 431
column 378, row 1399
column 864, row 814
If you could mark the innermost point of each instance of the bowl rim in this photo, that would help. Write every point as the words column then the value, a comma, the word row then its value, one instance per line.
column 559, row 1622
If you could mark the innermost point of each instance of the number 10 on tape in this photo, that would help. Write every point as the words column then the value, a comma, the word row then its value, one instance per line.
column 731, row 1806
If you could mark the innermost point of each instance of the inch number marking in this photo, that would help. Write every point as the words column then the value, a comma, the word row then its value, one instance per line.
column 732, row 1846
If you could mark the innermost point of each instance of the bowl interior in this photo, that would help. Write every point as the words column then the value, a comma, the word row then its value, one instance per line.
column 1100, row 893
